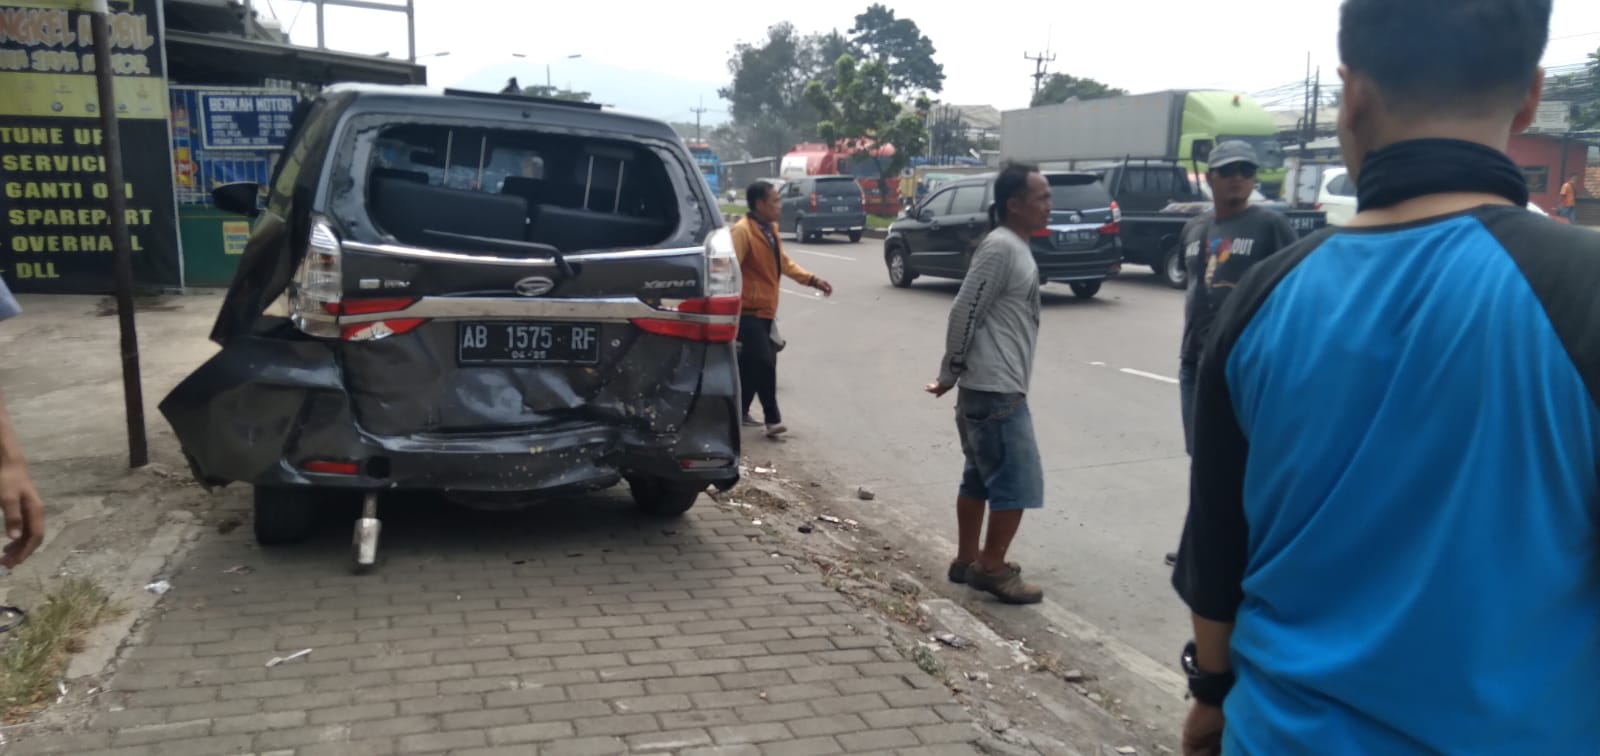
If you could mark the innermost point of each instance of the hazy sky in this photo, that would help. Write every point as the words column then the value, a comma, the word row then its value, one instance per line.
column 1139, row 45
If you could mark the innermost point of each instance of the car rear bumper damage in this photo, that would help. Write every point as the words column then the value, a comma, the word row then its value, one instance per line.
column 274, row 412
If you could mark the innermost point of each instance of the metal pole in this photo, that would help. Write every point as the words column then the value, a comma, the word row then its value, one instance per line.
column 411, row 28
column 117, row 206
column 322, row 39
column 1562, row 179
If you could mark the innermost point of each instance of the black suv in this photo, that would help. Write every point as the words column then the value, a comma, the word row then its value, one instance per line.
column 484, row 295
column 1081, row 247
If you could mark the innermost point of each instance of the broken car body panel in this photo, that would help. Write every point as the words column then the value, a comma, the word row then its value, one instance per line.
column 535, row 357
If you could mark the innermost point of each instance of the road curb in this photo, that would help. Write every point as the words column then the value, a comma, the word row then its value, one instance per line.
column 158, row 559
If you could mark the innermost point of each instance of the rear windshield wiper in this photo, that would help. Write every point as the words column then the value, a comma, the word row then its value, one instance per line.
column 508, row 245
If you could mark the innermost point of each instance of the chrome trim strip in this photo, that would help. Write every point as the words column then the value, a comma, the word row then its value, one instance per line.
column 419, row 253
column 611, row 310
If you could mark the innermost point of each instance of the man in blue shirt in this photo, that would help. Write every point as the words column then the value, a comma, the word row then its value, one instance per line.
column 1393, row 537
column 19, row 499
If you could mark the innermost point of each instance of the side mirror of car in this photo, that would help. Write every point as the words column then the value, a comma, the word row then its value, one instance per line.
column 238, row 198
column 925, row 215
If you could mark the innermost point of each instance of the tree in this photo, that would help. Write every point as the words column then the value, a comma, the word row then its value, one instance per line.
column 768, row 90
column 1059, row 88
column 898, row 45
column 1586, row 103
column 860, row 113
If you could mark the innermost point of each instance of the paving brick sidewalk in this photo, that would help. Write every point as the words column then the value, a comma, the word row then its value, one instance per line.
column 576, row 628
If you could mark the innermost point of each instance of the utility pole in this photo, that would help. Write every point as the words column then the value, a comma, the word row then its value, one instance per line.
column 122, row 249
column 1316, row 102
column 699, row 111
column 1305, row 138
column 1041, row 62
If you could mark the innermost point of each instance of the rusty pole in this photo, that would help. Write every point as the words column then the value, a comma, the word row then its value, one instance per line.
column 117, row 206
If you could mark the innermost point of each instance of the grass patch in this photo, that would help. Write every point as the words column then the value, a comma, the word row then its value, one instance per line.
column 34, row 654
column 734, row 209
column 879, row 222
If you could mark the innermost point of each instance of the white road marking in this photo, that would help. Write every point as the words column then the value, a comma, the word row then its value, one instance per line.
column 823, row 254
column 810, row 296
column 1151, row 376
column 1097, row 364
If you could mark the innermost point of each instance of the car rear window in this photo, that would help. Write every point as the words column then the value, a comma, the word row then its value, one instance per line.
column 838, row 187
column 429, row 185
column 1078, row 193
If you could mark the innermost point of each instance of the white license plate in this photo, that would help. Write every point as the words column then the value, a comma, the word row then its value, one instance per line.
column 841, row 208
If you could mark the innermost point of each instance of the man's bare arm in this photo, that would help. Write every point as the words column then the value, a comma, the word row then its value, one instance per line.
column 19, row 499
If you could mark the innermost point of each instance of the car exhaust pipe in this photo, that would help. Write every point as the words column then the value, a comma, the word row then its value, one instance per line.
column 366, row 535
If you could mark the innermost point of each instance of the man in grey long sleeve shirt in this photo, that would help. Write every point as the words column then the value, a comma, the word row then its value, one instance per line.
column 994, row 329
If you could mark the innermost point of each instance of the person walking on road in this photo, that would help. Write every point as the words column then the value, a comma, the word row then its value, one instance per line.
column 19, row 498
column 762, row 262
column 1569, row 200
column 1219, row 246
column 989, row 347
column 1393, row 536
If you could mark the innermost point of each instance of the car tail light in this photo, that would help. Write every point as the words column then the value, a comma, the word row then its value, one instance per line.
column 375, row 330
column 723, row 278
column 724, row 287
column 1043, row 233
column 1318, row 206
column 318, row 284
column 331, row 467
column 721, row 331
column 813, row 202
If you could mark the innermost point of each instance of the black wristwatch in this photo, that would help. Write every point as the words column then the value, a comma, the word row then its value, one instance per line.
column 1207, row 688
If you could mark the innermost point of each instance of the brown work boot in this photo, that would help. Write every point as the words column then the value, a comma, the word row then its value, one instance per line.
column 1006, row 585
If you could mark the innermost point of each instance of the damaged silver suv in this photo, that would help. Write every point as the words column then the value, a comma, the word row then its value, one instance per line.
column 494, row 297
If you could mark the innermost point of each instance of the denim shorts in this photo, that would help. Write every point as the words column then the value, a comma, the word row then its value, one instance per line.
column 1003, row 465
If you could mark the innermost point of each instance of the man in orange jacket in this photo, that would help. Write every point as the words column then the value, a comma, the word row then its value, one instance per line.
column 762, row 261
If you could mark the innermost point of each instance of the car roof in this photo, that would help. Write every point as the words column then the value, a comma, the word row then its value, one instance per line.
column 425, row 100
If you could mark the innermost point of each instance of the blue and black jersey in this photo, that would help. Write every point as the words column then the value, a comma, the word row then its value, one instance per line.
column 1395, row 493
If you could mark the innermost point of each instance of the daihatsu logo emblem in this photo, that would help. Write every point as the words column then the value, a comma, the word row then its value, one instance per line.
column 534, row 286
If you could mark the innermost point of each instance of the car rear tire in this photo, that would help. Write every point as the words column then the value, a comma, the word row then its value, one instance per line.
column 855, row 236
column 800, row 231
column 1085, row 289
column 1172, row 269
column 284, row 515
column 659, row 498
column 900, row 272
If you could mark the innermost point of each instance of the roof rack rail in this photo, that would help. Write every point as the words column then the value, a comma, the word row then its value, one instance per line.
column 523, row 98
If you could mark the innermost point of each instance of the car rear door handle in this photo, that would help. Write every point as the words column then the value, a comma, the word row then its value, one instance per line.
column 934, row 225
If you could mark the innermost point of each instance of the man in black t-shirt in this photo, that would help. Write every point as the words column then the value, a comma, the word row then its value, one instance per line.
column 1219, row 246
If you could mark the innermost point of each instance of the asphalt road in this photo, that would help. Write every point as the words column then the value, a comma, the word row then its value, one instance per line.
column 1105, row 406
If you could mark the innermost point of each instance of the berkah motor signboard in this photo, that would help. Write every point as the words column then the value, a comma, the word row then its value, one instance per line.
column 55, row 232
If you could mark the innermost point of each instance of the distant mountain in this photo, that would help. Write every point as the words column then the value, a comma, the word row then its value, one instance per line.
column 642, row 92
